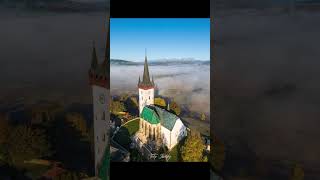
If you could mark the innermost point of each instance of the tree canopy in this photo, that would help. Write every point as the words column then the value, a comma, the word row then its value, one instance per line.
column 175, row 108
column 78, row 121
column 117, row 106
column 297, row 173
column 160, row 102
column 25, row 143
column 193, row 148
column 217, row 157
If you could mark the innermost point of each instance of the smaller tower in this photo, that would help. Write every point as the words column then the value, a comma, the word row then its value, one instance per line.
column 146, row 87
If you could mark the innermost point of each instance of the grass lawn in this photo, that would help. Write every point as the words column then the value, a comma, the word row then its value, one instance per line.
column 132, row 126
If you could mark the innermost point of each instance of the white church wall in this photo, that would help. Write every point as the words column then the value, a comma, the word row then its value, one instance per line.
column 101, row 120
column 165, row 134
column 178, row 132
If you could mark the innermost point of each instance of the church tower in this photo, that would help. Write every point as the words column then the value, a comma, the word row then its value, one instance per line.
column 146, row 88
column 99, row 81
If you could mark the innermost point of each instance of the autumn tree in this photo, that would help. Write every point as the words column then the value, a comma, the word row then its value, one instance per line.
column 297, row 173
column 78, row 121
column 175, row 108
column 25, row 143
column 193, row 148
column 217, row 157
column 160, row 102
column 203, row 117
column 117, row 106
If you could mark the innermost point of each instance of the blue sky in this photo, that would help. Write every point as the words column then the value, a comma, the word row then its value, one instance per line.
column 163, row 38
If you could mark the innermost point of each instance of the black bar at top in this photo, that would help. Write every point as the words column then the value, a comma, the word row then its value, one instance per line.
column 159, row 9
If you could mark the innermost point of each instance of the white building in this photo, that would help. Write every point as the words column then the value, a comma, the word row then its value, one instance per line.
column 99, row 81
column 157, row 126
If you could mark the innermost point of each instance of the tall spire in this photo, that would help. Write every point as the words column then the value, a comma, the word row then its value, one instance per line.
column 107, row 52
column 105, row 64
column 146, row 77
column 146, row 82
column 94, row 60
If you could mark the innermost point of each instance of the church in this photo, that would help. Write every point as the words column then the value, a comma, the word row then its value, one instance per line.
column 157, row 127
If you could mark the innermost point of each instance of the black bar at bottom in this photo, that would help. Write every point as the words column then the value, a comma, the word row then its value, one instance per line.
column 154, row 170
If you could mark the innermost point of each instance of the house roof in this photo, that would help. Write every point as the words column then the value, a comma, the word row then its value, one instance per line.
column 155, row 115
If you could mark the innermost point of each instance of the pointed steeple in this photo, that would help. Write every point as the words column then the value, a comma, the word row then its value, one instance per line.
column 146, row 81
column 94, row 60
column 146, row 77
column 106, row 61
column 107, row 52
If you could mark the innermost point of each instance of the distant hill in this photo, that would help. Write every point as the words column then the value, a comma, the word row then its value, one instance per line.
column 163, row 62
column 122, row 62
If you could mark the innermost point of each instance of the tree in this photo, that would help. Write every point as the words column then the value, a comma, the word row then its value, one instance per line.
column 78, row 121
column 217, row 157
column 193, row 148
column 117, row 106
column 26, row 143
column 175, row 108
column 4, row 155
column 297, row 173
column 203, row 117
column 160, row 102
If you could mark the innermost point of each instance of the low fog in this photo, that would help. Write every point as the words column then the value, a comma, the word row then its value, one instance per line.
column 46, row 55
column 267, row 85
column 188, row 84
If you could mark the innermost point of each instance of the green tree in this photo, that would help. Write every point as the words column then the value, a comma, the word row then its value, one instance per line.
column 117, row 106
column 297, row 173
column 193, row 148
column 135, row 101
column 26, row 143
column 175, row 108
column 160, row 102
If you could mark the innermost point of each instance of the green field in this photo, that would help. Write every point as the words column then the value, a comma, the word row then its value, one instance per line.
column 132, row 126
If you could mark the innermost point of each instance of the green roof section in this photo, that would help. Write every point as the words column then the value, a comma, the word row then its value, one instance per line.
column 155, row 115
column 149, row 115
